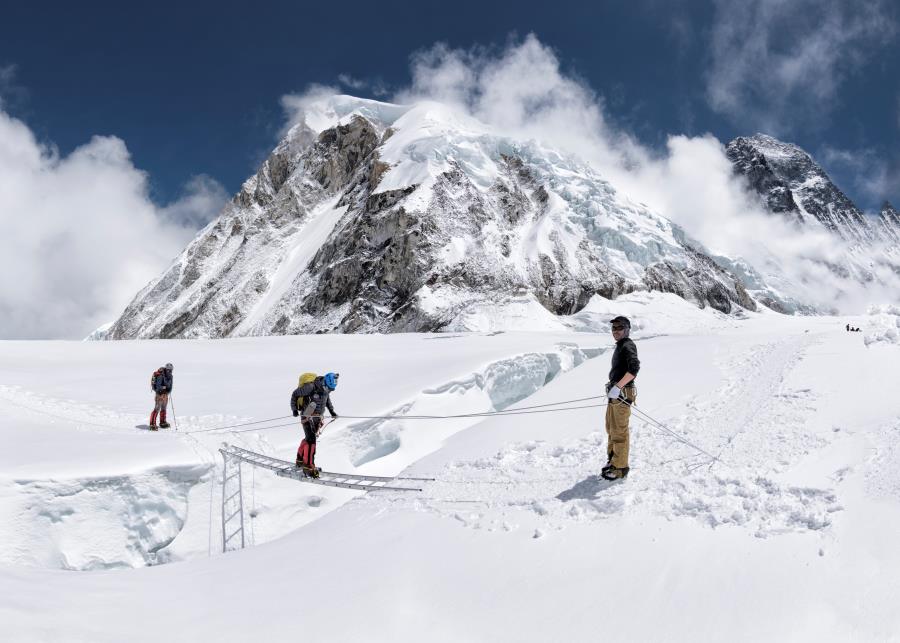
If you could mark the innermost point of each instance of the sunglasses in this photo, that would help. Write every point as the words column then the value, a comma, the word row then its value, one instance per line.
column 618, row 328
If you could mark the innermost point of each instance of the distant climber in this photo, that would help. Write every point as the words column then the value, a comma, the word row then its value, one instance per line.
column 848, row 328
column 621, row 393
column 161, row 383
column 311, row 397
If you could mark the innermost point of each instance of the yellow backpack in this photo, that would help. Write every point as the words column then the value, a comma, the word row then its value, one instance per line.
column 306, row 378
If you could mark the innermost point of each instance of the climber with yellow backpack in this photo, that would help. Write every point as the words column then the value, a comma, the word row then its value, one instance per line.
column 308, row 401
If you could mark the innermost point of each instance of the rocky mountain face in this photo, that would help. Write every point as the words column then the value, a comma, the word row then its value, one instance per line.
column 371, row 217
column 889, row 223
column 791, row 183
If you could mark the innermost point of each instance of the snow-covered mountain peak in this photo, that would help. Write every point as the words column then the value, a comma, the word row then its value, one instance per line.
column 326, row 112
column 401, row 218
column 775, row 150
column 790, row 182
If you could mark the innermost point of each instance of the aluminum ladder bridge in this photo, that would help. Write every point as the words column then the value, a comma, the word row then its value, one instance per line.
column 232, row 496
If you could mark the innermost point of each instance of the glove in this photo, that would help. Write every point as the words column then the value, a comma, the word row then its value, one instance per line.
column 334, row 416
column 296, row 413
column 614, row 392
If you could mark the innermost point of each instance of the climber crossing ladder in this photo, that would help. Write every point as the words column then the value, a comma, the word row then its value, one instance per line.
column 327, row 478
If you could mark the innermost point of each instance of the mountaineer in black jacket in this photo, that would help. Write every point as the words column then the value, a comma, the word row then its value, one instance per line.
column 161, row 382
column 310, row 399
column 621, row 393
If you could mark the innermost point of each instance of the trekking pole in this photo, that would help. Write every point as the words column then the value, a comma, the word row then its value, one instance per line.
column 174, row 417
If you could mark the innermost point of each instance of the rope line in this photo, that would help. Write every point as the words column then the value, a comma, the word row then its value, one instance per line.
column 654, row 423
column 409, row 417
column 524, row 410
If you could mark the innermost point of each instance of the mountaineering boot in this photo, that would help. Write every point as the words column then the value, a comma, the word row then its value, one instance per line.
column 613, row 473
column 311, row 472
column 164, row 425
column 153, row 427
column 608, row 465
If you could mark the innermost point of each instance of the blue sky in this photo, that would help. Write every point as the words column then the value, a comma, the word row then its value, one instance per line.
column 124, row 127
column 194, row 90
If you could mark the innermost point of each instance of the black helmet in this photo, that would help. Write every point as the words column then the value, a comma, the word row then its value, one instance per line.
column 169, row 366
column 621, row 321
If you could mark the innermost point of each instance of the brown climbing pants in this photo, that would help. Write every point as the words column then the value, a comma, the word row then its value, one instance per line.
column 617, row 416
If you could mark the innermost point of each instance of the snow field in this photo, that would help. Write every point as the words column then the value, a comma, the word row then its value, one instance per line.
column 171, row 510
column 788, row 537
column 753, row 421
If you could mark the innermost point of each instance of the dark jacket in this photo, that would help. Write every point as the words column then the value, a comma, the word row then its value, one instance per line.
column 624, row 360
column 315, row 398
column 162, row 381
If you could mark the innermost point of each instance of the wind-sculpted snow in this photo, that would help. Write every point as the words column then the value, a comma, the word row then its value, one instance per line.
column 882, row 325
column 100, row 523
column 500, row 385
column 398, row 218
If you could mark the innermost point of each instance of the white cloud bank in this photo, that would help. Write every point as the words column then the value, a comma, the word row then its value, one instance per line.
column 80, row 235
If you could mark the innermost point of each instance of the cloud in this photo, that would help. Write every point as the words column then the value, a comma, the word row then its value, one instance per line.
column 80, row 234
column 373, row 86
column 296, row 106
column 521, row 91
column 776, row 64
column 10, row 90
column 201, row 200
column 7, row 78
column 352, row 83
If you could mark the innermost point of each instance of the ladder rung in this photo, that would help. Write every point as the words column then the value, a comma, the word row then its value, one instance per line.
column 236, row 532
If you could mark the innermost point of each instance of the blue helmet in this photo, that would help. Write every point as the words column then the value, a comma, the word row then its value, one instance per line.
column 331, row 380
